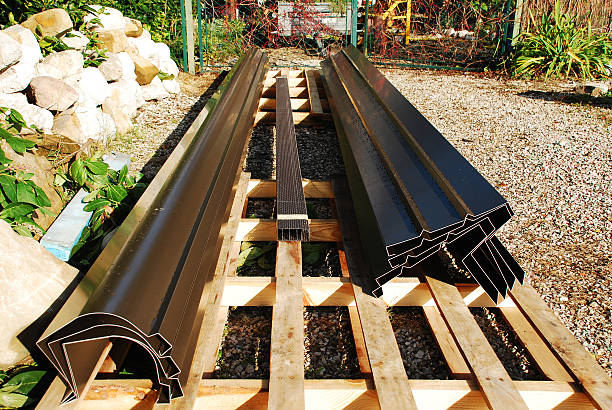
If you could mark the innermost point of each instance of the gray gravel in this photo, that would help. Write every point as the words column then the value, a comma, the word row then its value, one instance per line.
column 329, row 346
column 421, row 356
column 553, row 162
column 505, row 343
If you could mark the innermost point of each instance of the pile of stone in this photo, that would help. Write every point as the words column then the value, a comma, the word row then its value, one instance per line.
column 58, row 95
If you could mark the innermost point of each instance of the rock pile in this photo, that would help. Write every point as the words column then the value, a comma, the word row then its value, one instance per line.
column 63, row 95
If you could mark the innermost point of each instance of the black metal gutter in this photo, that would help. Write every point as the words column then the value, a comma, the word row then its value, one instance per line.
column 391, row 152
column 291, row 213
column 147, row 283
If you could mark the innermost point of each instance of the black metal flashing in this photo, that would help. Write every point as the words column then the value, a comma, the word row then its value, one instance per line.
column 415, row 193
column 146, row 285
column 291, row 213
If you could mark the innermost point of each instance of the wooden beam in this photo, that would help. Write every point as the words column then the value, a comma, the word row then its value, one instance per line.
column 297, row 104
column 544, row 359
column 313, row 93
column 451, row 352
column 294, row 92
column 289, row 73
column 495, row 383
column 209, row 333
column 293, row 82
column 189, row 31
column 261, row 188
column 334, row 291
column 233, row 259
column 269, row 117
column 287, row 343
column 252, row 229
column 565, row 346
column 217, row 394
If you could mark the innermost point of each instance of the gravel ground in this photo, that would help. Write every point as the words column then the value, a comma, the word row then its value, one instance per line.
column 329, row 345
column 245, row 347
column 421, row 356
column 327, row 261
column 261, row 208
column 506, row 345
column 553, row 162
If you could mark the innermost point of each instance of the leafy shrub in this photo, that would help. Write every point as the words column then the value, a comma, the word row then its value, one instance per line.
column 225, row 39
column 559, row 48
column 16, row 386
column 20, row 197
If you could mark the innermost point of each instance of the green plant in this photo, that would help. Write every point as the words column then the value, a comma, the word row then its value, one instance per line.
column 251, row 254
column 94, row 54
column 20, row 197
column 49, row 44
column 226, row 40
column 111, row 196
column 559, row 48
column 165, row 76
column 16, row 387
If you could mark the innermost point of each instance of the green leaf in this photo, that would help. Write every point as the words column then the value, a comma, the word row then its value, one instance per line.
column 116, row 193
column 96, row 204
column 12, row 400
column 96, row 167
column 263, row 262
column 25, row 193
column 22, row 230
column 41, row 196
column 77, row 172
column 250, row 254
column 8, row 187
column 91, row 196
column 46, row 212
column 16, row 209
column 3, row 159
column 122, row 175
column 26, row 380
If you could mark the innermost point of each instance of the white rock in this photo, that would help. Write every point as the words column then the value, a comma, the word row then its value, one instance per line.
column 69, row 62
column 450, row 32
column 29, row 45
column 75, row 39
column 92, row 88
column 17, row 77
column 127, row 66
column 26, row 262
column 155, row 90
column 163, row 51
column 52, row 94
column 110, row 19
column 146, row 48
column 127, row 95
column 145, row 34
column 169, row 67
column 85, row 123
column 112, row 68
column 48, row 70
column 464, row 33
column 172, row 86
column 32, row 114
column 10, row 51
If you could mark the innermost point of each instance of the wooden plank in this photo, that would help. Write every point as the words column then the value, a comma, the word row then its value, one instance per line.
column 290, row 73
column 325, row 291
column 261, row 188
column 294, row 92
column 293, row 82
column 287, row 343
column 313, row 93
column 233, row 259
column 297, row 104
column 451, row 352
column 544, row 359
column 565, row 346
column 188, row 4
column 224, row 394
column 210, row 356
column 384, row 356
column 252, row 229
column 494, row 381
column 208, row 339
column 269, row 117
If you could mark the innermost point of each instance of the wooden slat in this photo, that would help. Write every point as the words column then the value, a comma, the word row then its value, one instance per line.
column 288, row 73
column 544, row 359
column 297, row 104
column 269, row 117
column 233, row 259
column 294, row 92
column 287, row 343
column 208, row 339
column 321, row 230
column 261, row 188
column 451, row 352
column 494, row 381
column 210, row 355
column 593, row 378
column 293, row 82
column 386, row 363
column 332, row 394
column 313, row 93
column 325, row 291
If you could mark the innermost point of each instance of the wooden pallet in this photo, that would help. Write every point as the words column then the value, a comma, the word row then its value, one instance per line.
column 576, row 381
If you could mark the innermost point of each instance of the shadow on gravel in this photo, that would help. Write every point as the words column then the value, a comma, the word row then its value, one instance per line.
column 569, row 98
column 151, row 168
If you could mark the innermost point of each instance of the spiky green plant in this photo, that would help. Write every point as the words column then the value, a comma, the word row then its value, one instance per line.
column 559, row 48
